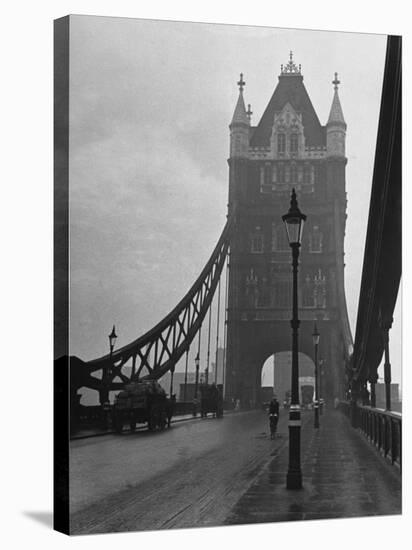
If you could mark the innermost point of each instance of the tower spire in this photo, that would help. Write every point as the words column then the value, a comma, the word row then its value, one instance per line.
column 290, row 68
column 336, row 82
column 336, row 113
column 240, row 115
column 241, row 83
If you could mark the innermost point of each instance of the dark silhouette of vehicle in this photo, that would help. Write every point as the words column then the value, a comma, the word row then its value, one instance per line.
column 307, row 395
column 140, row 403
column 211, row 400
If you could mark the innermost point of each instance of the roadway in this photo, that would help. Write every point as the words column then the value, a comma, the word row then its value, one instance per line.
column 190, row 475
column 206, row 472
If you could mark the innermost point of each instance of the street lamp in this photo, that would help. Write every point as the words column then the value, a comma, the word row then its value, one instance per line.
column 197, row 363
column 294, row 221
column 112, row 340
column 107, row 369
column 316, row 337
column 321, row 373
column 104, row 397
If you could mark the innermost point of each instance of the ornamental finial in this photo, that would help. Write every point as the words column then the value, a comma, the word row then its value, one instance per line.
column 249, row 112
column 336, row 82
column 241, row 83
column 290, row 67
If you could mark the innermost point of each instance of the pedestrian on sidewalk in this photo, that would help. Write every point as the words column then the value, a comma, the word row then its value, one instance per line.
column 273, row 416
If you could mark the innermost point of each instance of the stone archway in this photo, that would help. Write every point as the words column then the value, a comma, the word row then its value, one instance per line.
column 275, row 375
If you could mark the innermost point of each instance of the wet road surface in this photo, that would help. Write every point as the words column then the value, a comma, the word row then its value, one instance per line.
column 219, row 472
column 190, row 475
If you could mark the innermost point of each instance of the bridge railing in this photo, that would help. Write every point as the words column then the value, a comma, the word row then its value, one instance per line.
column 382, row 428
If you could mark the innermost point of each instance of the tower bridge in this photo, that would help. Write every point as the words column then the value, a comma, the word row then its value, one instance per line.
column 288, row 149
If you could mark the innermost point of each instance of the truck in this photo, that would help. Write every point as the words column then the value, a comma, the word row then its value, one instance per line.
column 142, row 402
column 307, row 395
column 211, row 400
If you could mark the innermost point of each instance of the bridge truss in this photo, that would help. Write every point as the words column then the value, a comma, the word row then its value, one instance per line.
column 158, row 350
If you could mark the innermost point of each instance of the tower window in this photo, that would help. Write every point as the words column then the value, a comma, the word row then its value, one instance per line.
column 281, row 143
column 257, row 241
column 281, row 173
column 268, row 173
column 308, row 292
column 287, row 173
column 315, row 240
column 274, row 173
column 293, row 173
column 279, row 239
column 306, row 174
column 294, row 143
column 262, row 174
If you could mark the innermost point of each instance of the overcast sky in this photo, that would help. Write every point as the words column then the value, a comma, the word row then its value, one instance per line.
column 150, row 105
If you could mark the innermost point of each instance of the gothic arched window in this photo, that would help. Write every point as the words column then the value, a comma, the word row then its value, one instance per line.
column 287, row 173
column 315, row 240
column 306, row 173
column 274, row 173
column 281, row 173
column 256, row 241
column 308, row 292
column 281, row 143
column 300, row 173
column 279, row 238
column 262, row 174
column 268, row 173
column 294, row 141
column 293, row 173
column 251, row 289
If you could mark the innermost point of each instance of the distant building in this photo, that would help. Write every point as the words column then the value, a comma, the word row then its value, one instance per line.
column 282, row 367
column 220, row 364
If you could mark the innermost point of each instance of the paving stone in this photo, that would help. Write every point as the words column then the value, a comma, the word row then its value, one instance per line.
column 343, row 476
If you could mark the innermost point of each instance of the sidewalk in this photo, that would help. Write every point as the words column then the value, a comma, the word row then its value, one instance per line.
column 343, row 476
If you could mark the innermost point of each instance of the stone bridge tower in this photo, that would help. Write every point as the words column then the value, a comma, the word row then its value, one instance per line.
column 288, row 148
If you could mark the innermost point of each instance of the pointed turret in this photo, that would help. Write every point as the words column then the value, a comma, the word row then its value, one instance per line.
column 240, row 114
column 336, row 126
column 336, row 113
column 239, row 127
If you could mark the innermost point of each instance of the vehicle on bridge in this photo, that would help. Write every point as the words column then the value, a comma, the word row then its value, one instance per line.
column 307, row 395
column 211, row 400
column 139, row 403
column 287, row 400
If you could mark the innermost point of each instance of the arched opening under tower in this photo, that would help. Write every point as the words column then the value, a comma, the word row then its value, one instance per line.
column 276, row 377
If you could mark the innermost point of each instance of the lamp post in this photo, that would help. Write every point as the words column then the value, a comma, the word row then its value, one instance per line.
column 316, row 337
column 294, row 221
column 197, row 362
column 321, row 363
column 112, row 341
column 108, row 367
column 172, row 371
column 104, row 397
